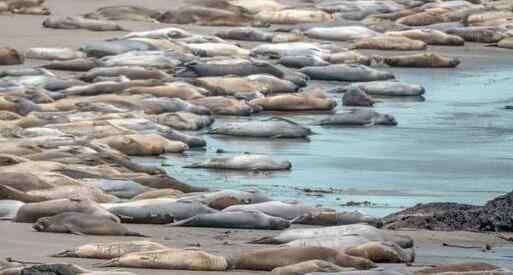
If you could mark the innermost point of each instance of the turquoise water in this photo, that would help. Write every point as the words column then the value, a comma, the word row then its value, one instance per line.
column 454, row 146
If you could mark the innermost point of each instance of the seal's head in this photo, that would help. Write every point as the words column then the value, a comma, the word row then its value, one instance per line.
column 41, row 224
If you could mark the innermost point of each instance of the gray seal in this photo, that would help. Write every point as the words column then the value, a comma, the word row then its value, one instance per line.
column 243, row 162
column 240, row 219
column 274, row 127
column 359, row 117
column 346, row 72
column 82, row 224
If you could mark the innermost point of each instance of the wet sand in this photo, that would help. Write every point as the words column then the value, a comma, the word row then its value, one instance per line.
column 20, row 242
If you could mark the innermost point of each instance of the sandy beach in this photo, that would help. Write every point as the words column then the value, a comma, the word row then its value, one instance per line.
column 441, row 133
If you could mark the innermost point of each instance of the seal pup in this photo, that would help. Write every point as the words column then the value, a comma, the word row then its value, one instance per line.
column 359, row 117
column 82, row 224
column 422, row 60
column 243, row 162
column 10, row 56
column 170, row 258
column 239, row 219
column 109, row 250
column 271, row 258
column 274, row 127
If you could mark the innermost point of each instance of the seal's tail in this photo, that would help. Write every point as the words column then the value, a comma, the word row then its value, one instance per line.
column 136, row 234
column 65, row 253
column 265, row 240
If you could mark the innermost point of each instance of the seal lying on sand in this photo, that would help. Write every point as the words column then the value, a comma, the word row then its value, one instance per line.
column 132, row 13
column 275, row 208
column 477, row 34
column 382, row 252
column 79, row 223
column 9, row 56
column 294, row 102
column 388, row 42
column 274, row 127
column 243, row 162
column 308, row 266
column 431, row 37
column 422, row 60
column 366, row 231
column 270, row 258
column 75, row 22
column 79, row 64
column 239, row 219
column 337, row 218
column 343, row 72
column 109, row 250
column 170, row 258
column 31, row 212
column 386, row 88
column 245, row 68
column 359, row 117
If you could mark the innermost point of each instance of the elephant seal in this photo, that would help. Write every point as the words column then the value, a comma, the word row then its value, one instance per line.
column 422, row 60
column 277, row 50
column 246, row 34
column 170, row 258
column 221, row 199
column 359, row 117
column 346, row 72
column 131, row 72
column 382, row 252
column 31, row 212
column 75, row 22
column 357, row 97
column 109, row 250
column 39, row 269
column 225, row 106
column 165, row 181
column 157, row 211
column 207, row 16
column 430, row 37
column 144, row 144
column 210, row 49
column 10, row 56
column 164, row 33
column 159, row 193
column 339, row 243
column 190, row 140
column 294, row 16
column 506, row 43
column 183, row 121
column 275, row 208
column 337, row 218
column 346, row 33
column 125, row 189
column 179, row 90
column 477, row 34
column 294, row 102
column 349, row 57
column 101, row 49
column 243, row 162
column 79, row 64
column 424, row 18
column 58, row 192
column 9, row 208
column 239, row 86
column 302, row 61
column 82, row 224
column 274, row 127
column 245, row 68
column 368, row 232
column 307, row 267
column 387, row 88
column 388, row 42
column 130, row 13
column 53, row 54
column 271, row 258
column 241, row 220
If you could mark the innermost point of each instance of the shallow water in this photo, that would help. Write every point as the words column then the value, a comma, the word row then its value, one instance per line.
column 454, row 146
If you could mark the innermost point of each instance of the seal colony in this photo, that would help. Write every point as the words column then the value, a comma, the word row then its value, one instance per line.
column 71, row 126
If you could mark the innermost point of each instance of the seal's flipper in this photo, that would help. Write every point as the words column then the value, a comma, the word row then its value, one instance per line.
column 73, row 230
column 65, row 253
column 265, row 240
column 136, row 234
